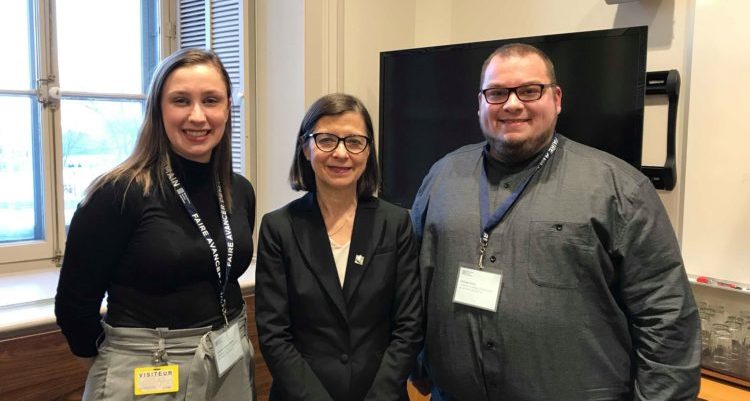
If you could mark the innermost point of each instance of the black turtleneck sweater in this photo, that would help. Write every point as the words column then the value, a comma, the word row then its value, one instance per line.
column 150, row 258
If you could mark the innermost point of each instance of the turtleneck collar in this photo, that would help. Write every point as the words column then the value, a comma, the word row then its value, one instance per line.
column 191, row 174
column 497, row 170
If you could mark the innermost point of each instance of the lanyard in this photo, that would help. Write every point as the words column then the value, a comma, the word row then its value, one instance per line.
column 491, row 221
column 193, row 212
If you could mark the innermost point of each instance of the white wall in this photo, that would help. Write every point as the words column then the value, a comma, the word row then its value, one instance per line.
column 371, row 27
column 342, row 39
column 280, row 79
column 717, row 198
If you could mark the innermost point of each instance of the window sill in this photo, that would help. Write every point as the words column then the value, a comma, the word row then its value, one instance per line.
column 27, row 300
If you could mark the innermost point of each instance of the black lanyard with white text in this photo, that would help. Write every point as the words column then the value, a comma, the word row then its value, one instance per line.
column 489, row 222
column 193, row 212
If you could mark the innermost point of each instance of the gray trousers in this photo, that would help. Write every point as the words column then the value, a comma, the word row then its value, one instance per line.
column 124, row 349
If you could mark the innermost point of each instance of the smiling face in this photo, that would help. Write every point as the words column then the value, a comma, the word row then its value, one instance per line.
column 518, row 130
column 338, row 170
column 195, row 109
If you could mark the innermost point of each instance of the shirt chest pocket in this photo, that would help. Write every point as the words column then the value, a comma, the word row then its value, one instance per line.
column 559, row 253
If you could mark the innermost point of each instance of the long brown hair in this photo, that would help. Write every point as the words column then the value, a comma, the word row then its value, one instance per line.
column 152, row 147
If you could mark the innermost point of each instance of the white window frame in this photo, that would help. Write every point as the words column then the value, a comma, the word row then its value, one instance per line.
column 47, row 252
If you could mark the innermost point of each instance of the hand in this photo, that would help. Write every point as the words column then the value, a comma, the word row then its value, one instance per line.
column 424, row 385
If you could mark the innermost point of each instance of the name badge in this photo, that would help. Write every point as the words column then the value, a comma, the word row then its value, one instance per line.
column 478, row 288
column 227, row 347
column 156, row 379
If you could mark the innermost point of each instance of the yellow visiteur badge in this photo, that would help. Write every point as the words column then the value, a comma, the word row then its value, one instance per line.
column 156, row 379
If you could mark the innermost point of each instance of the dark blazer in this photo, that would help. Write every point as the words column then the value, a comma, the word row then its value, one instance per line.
column 325, row 342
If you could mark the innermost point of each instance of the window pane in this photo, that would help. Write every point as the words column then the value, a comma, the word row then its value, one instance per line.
column 96, row 136
column 14, row 23
column 19, row 219
column 99, row 46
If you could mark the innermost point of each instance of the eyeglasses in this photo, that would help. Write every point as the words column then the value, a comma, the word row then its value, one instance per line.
column 326, row 142
column 524, row 93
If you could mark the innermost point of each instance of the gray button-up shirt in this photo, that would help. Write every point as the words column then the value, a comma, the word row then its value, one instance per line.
column 595, row 302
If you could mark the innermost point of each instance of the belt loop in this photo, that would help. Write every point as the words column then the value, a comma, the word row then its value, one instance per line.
column 160, row 354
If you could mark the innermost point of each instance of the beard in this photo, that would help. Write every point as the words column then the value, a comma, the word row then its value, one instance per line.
column 516, row 150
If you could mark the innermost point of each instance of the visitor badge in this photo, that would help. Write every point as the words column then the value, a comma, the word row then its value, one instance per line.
column 227, row 347
column 156, row 379
column 478, row 288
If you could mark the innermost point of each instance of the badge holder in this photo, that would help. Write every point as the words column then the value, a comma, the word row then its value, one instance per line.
column 157, row 379
column 227, row 344
column 477, row 287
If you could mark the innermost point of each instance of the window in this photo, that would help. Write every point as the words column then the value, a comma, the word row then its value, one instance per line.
column 102, row 101
column 72, row 94
column 217, row 24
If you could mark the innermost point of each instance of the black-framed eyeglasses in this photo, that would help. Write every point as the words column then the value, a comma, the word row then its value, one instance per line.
column 524, row 93
column 326, row 142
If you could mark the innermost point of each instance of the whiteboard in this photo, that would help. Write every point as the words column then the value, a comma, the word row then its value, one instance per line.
column 716, row 209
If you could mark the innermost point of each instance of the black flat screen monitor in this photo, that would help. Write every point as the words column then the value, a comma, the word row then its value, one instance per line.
column 428, row 100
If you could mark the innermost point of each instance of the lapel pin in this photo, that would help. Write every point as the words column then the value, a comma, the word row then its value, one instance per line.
column 359, row 259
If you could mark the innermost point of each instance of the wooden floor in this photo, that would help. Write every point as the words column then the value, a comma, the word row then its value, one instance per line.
column 716, row 390
column 415, row 396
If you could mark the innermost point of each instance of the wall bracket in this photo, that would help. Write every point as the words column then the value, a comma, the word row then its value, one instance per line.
column 665, row 83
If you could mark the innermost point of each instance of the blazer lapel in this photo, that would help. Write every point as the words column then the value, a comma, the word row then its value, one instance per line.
column 310, row 233
column 365, row 237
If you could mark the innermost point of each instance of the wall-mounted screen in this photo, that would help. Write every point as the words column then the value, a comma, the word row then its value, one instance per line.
column 428, row 100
